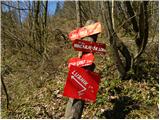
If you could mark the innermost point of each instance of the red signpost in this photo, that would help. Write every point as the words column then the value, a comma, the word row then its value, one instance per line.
column 81, row 84
column 87, row 59
column 85, row 31
column 86, row 46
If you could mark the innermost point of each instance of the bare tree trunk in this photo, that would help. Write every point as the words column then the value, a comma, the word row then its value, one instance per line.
column 45, row 19
column 143, row 29
column 78, row 12
column 115, row 42
column 131, row 14
column 45, row 13
column 34, row 24
column 108, row 24
column 44, row 33
column 45, row 24
column 4, row 86
column 123, row 17
column 113, row 21
column 37, row 28
column 19, row 14
column 30, row 22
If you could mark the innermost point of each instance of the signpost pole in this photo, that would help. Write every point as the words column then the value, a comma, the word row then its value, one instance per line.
column 75, row 107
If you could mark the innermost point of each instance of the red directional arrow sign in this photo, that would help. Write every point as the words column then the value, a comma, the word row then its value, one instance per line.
column 87, row 46
column 87, row 59
column 85, row 31
column 81, row 84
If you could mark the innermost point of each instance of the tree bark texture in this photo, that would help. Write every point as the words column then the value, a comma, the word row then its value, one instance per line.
column 113, row 21
column 5, row 90
column 3, row 73
column 131, row 13
column 37, row 28
column 44, row 36
column 115, row 42
column 78, row 12
column 143, row 29
column 19, row 15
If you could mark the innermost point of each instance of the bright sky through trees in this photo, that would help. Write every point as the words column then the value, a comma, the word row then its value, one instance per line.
column 51, row 7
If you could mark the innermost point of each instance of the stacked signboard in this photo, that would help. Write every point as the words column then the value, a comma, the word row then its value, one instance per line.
column 81, row 83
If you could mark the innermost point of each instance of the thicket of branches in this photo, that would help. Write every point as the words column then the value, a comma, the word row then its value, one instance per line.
column 30, row 35
column 120, row 17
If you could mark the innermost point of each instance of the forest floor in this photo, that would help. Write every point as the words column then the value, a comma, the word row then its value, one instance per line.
column 35, row 87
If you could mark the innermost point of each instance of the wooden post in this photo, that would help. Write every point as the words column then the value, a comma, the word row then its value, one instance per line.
column 75, row 107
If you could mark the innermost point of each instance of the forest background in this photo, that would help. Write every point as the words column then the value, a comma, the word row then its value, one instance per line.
column 35, row 49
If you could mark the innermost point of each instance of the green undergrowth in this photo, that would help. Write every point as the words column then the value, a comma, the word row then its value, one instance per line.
column 35, row 87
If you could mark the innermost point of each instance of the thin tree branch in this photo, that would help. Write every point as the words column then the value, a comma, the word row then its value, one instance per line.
column 14, row 7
